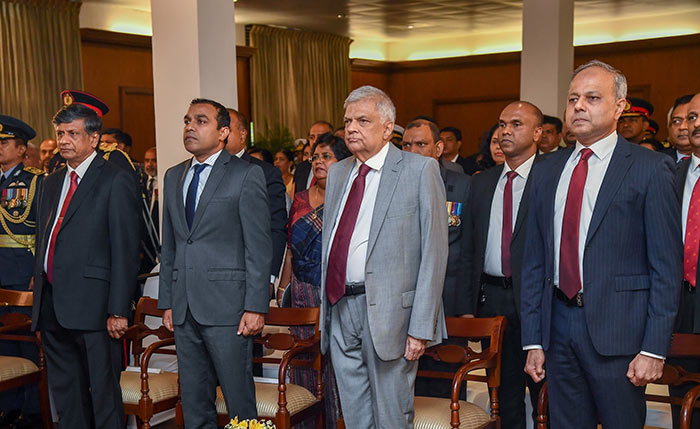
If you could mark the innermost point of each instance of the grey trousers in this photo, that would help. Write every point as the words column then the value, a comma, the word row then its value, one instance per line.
column 373, row 393
column 211, row 355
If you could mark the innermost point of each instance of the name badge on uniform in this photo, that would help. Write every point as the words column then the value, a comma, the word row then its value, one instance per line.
column 454, row 211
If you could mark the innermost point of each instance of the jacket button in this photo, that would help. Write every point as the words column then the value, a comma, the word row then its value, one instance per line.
column 189, row 241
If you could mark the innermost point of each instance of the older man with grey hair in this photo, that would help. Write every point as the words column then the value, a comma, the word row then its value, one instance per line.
column 383, row 266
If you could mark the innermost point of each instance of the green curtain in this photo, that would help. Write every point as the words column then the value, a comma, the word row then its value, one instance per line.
column 39, row 57
column 297, row 78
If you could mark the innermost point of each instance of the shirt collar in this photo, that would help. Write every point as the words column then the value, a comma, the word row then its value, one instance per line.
column 9, row 172
column 209, row 161
column 240, row 154
column 82, row 168
column 376, row 162
column 602, row 148
column 679, row 156
column 455, row 158
column 694, row 162
column 523, row 169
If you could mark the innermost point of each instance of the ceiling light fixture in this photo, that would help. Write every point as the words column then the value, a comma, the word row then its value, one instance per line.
column 410, row 27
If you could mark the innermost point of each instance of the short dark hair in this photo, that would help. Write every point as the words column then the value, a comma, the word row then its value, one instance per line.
column 266, row 155
column 287, row 154
column 552, row 120
column 74, row 112
column 222, row 117
column 417, row 123
column 336, row 144
column 485, row 148
column 454, row 130
column 684, row 99
column 119, row 136
column 425, row 118
column 326, row 123
column 242, row 120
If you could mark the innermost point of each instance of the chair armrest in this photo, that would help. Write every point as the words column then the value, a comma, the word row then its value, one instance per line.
column 299, row 347
column 22, row 326
column 481, row 361
column 150, row 350
column 688, row 406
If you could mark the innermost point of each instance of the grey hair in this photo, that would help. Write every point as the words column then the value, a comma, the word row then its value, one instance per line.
column 387, row 111
column 619, row 78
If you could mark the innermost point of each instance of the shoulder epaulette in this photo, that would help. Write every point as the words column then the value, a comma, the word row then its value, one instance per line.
column 108, row 147
column 34, row 170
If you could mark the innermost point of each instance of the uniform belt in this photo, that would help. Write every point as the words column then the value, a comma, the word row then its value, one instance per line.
column 354, row 289
column 504, row 282
column 7, row 242
column 688, row 287
column 576, row 301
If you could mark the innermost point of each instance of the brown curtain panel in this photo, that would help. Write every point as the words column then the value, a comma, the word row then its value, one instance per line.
column 297, row 78
column 39, row 57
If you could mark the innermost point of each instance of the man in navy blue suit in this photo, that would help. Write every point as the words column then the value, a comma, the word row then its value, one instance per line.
column 600, row 282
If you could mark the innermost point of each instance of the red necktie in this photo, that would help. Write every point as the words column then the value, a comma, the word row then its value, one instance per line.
column 692, row 235
column 684, row 158
column 52, row 243
column 569, row 273
column 338, row 257
column 507, row 229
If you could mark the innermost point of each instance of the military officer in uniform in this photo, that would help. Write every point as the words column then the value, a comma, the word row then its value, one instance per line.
column 18, row 187
column 635, row 119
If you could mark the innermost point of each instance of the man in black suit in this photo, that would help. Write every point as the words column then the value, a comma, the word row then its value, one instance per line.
column 215, row 269
column 87, row 248
column 302, row 174
column 423, row 137
column 688, row 320
column 601, row 280
column 678, row 130
column 495, row 219
column 452, row 141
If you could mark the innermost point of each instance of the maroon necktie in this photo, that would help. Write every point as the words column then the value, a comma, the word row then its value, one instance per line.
column 59, row 221
column 569, row 274
column 338, row 257
column 507, row 229
column 692, row 236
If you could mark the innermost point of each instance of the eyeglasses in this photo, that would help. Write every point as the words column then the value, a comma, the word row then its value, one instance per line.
column 324, row 156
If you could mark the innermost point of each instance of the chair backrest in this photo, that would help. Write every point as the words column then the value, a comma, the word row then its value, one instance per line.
column 147, row 307
column 470, row 329
column 682, row 346
column 286, row 341
column 15, row 298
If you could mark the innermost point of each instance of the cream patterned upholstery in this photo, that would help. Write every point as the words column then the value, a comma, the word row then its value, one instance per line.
column 267, row 395
column 434, row 413
column 160, row 386
column 13, row 367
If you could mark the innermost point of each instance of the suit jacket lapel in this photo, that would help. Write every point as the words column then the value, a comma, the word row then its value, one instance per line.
column 681, row 174
column 52, row 189
column 484, row 206
column 86, row 184
column 619, row 165
column 522, row 209
column 217, row 173
column 10, row 178
column 332, row 205
column 387, row 186
column 178, row 195
column 552, row 184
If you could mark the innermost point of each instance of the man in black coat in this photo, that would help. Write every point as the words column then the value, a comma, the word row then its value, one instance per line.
column 302, row 174
column 85, row 272
column 495, row 218
column 423, row 137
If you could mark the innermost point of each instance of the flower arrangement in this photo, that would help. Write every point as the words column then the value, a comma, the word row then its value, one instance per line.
column 249, row 424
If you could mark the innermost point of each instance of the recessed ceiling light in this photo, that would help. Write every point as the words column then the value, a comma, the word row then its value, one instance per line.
column 410, row 27
column 340, row 16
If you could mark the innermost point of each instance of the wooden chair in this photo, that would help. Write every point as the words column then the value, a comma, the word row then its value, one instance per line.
column 144, row 394
column 682, row 346
column 438, row 413
column 17, row 371
column 285, row 404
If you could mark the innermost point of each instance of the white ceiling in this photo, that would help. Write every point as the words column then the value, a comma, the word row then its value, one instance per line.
column 412, row 29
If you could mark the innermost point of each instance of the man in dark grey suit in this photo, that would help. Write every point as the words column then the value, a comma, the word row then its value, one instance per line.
column 383, row 266
column 423, row 138
column 495, row 219
column 215, row 267
column 601, row 280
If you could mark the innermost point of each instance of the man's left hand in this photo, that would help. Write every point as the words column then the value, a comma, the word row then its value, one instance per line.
column 116, row 326
column 251, row 323
column 414, row 348
column 644, row 370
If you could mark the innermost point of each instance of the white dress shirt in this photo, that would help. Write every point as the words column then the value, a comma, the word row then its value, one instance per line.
column 203, row 177
column 492, row 261
column 690, row 179
column 455, row 158
column 597, row 166
column 240, row 154
column 8, row 173
column 357, row 252
column 80, row 171
column 679, row 156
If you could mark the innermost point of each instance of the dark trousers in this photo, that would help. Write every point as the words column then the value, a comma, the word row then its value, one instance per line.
column 24, row 398
column 498, row 301
column 206, row 354
column 684, row 324
column 584, row 386
column 84, row 372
